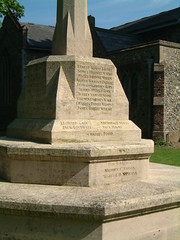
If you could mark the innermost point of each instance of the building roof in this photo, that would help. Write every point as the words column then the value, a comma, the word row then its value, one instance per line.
column 39, row 36
column 161, row 20
column 121, row 37
column 113, row 41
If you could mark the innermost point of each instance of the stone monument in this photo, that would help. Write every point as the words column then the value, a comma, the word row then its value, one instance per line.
column 75, row 105
column 72, row 34
column 72, row 130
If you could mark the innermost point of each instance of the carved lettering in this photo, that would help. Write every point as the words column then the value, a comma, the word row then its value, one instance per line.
column 94, row 88
column 107, row 127
column 119, row 169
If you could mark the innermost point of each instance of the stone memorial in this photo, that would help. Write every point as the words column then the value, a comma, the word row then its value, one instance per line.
column 73, row 131
column 72, row 34
column 74, row 112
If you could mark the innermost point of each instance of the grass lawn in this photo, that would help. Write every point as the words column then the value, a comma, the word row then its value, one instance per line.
column 166, row 155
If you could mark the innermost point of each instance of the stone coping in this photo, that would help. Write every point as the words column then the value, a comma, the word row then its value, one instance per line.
column 160, row 192
column 93, row 149
column 61, row 58
column 148, row 44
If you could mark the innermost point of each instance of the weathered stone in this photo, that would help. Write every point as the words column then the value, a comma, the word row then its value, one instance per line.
column 77, row 104
column 72, row 33
column 68, row 98
column 169, row 57
column 75, row 164
column 136, row 210
column 166, row 116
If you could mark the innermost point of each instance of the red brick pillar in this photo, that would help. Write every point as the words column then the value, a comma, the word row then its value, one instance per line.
column 158, row 102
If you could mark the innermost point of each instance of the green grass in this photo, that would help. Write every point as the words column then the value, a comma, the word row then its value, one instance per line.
column 166, row 155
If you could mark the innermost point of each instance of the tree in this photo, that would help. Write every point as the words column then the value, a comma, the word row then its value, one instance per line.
column 13, row 6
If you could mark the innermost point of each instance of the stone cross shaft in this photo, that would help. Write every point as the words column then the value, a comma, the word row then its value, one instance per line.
column 72, row 34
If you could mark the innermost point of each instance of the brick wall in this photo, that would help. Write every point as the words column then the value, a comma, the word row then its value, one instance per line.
column 138, row 61
column 164, row 121
column 170, row 58
column 136, row 54
column 158, row 102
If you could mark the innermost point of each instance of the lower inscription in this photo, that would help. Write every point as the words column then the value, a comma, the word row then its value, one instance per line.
column 104, row 126
column 119, row 169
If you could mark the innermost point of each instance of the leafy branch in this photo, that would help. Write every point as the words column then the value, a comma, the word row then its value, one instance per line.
column 13, row 6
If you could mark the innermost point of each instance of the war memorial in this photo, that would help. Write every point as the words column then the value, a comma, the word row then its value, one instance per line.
column 73, row 166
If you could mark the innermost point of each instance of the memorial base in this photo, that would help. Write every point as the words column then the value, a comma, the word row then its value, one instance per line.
column 145, row 210
column 70, row 98
column 74, row 164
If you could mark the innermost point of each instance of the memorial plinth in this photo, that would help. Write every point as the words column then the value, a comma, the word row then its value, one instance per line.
column 68, row 98
column 73, row 126
column 73, row 129
column 74, row 164
column 77, row 108
column 146, row 210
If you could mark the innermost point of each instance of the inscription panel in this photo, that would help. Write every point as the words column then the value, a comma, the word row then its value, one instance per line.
column 75, row 125
column 94, row 87
column 119, row 169
column 94, row 125
column 98, row 129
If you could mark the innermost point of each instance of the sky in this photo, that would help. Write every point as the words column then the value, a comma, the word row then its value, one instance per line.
column 108, row 13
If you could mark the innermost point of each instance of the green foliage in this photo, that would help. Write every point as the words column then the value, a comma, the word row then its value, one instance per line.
column 166, row 155
column 13, row 6
column 161, row 142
